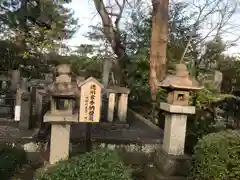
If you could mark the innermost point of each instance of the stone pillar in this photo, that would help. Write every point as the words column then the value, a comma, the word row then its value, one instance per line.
column 59, row 148
column 111, row 106
column 17, row 108
column 122, row 107
column 33, row 112
column 25, row 117
column 175, row 127
column 15, row 80
column 39, row 108
column 22, row 87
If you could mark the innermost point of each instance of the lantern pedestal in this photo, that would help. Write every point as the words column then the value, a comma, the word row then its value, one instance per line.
column 171, row 165
column 175, row 127
column 59, row 148
column 170, row 159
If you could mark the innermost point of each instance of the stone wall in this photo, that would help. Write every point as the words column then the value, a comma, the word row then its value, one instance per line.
column 134, row 154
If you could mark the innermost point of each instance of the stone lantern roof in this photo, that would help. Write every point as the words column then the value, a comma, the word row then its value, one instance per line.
column 63, row 86
column 180, row 80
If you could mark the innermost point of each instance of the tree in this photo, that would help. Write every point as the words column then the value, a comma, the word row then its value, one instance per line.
column 38, row 29
column 39, row 26
column 158, row 47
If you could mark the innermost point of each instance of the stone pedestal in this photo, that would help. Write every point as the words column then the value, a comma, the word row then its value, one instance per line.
column 175, row 127
column 59, row 148
column 25, row 117
column 170, row 159
column 172, row 165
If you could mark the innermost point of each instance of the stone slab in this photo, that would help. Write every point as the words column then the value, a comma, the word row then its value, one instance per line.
column 177, row 109
column 48, row 117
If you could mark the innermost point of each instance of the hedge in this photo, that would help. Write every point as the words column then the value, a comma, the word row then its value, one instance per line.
column 97, row 165
column 217, row 157
column 11, row 159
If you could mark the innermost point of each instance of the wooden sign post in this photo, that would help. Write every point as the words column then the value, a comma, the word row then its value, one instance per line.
column 90, row 106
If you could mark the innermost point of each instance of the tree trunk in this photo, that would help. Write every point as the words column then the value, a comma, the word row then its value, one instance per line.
column 113, row 36
column 107, row 64
column 158, row 47
column 22, row 29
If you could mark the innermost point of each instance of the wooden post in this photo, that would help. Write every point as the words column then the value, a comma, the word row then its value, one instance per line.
column 90, row 105
column 88, row 137
column 111, row 106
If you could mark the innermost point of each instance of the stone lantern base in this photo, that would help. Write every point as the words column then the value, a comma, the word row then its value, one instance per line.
column 172, row 165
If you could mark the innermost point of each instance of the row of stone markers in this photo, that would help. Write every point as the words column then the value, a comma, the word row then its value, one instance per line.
column 78, row 101
column 29, row 103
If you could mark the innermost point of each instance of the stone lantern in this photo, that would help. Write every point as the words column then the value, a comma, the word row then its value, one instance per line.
column 171, row 157
column 63, row 95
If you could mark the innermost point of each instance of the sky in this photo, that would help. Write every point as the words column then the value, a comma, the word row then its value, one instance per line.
column 87, row 16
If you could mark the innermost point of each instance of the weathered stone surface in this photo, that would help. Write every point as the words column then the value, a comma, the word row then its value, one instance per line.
column 177, row 109
column 172, row 165
column 25, row 117
column 174, row 133
column 59, row 148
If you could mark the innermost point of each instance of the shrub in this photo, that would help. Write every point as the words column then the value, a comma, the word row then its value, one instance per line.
column 11, row 158
column 97, row 165
column 217, row 156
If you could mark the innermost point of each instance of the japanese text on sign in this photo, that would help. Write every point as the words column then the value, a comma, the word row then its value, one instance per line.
column 90, row 101
column 89, row 104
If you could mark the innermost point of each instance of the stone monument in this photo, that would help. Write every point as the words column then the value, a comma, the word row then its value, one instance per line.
column 63, row 94
column 171, row 159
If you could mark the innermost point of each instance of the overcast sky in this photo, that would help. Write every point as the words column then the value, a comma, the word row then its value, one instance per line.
column 86, row 13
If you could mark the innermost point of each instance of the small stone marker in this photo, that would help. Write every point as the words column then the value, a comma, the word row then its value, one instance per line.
column 121, row 95
column 90, row 100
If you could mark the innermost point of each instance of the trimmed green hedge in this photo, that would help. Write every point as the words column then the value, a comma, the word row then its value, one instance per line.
column 97, row 165
column 217, row 157
column 11, row 158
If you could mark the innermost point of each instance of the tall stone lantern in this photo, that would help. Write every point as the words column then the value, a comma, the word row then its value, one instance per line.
column 63, row 95
column 176, row 110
